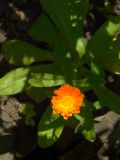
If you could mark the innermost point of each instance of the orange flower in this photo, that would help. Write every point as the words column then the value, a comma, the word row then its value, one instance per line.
column 68, row 101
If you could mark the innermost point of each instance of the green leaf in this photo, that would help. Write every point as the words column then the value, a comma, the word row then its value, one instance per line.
column 46, row 76
column 97, row 76
column 28, row 111
column 95, row 80
column 14, row 81
column 83, row 84
column 22, row 53
column 69, row 22
column 81, row 122
column 29, row 121
column 79, row 118
column 97, row 105
column 54, row 117
column 37, row 94
column 100, row 42
column 85, row 125
column 88, row 117
column 89, row 134
column 113, row 55
column 46, row 80
column 108, row 98
column 97, row 70
column 43, row 30
column 78, row 12
column 58, row 11
column 43, row 68
column 81, row 46
column 49, row 131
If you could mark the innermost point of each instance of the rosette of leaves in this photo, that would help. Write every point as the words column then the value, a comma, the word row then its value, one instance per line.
column 60, row 27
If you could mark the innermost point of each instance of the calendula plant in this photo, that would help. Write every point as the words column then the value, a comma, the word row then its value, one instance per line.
column 75, row 67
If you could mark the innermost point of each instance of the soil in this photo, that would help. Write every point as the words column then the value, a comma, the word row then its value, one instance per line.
column 18, row 141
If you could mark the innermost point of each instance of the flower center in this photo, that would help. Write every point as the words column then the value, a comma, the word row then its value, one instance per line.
column 67, row 101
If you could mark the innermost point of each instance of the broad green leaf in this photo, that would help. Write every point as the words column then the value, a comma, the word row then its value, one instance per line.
column 37, row 94
column 22, row 53
column 111, row 59
column 46, row 80
column 46, row 75
column 43, row 30
column 65, row 62
column 14, row 81
column 59, row 13
column 69, row 22
column 78, row 12
column 49, row 131
column 108, row 98
column 110, row 62
column 43, row 68
column 99, row 44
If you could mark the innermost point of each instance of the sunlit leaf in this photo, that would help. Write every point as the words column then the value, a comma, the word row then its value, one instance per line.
column 81, row 46
column 46, row 76
column 83, row 122
column 97, row 105
column 100, row 42
column 78, row 12
column 14, row 81
column 46, row 80
column 87, row 127
column 54, row 117
column 69, row 22
column 89, row 134
column 97, row 70
column 49, row 131
column 22, row 53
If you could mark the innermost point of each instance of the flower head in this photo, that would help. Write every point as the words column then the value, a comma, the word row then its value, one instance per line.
column 67, row 101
